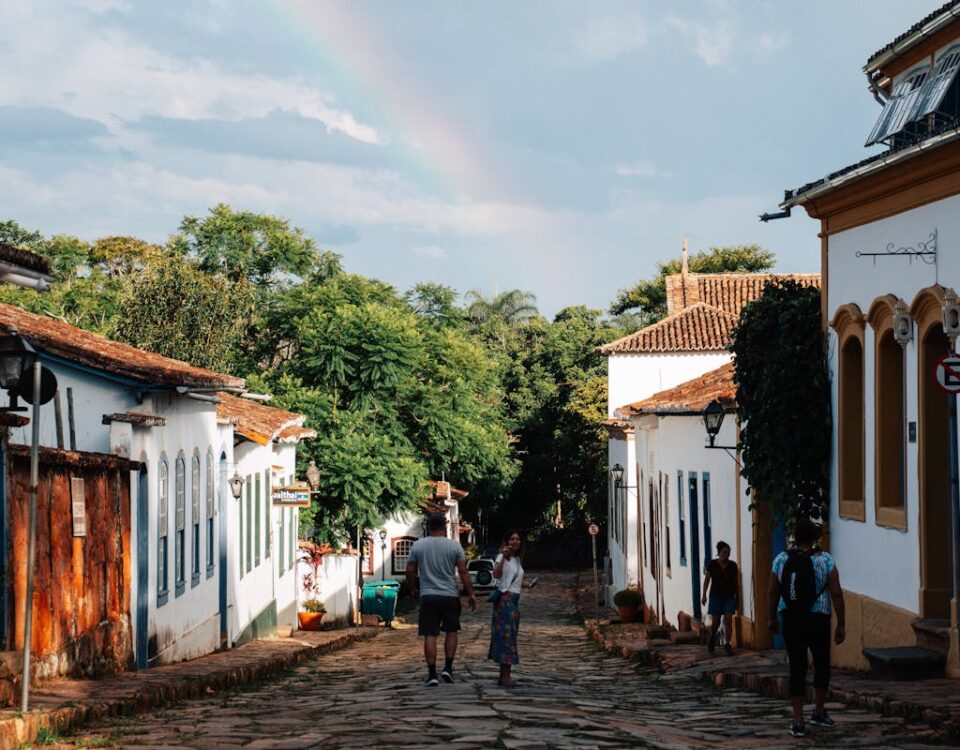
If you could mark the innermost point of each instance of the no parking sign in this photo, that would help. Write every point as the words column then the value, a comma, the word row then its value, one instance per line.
column 947, row 373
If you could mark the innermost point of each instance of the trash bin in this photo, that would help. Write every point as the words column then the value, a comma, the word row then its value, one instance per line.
column 380, row 598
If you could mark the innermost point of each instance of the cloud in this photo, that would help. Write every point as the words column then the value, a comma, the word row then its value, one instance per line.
column 431, row 251
column 610, row 37
column 642, row 169
column 98, row 71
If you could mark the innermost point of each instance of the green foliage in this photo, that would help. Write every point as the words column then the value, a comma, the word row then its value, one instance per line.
column 175, row 309
column 650, row 295
column 627, row 598
column 783, row 401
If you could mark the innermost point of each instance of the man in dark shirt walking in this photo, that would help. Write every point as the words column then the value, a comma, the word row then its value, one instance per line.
column 435, row 558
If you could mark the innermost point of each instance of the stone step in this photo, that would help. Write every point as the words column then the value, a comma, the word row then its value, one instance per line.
column 933, row 635
column 684, row 637
column 658, row 632
column 905, row 663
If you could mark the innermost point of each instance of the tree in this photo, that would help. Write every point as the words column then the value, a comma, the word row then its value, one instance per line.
column 783, row 401
column 511, row 308
column 650, row 295
column 177, row 310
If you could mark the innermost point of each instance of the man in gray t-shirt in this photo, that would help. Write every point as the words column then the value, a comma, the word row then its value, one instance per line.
column 435, row 558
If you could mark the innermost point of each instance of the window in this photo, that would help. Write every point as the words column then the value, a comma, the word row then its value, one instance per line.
column 268, row 511
column 282, row 546
column 292, row 530
column 211, row 504
column 368, row 556
column 938, row 98
column 163, row 531
column 241, row 535
column 849, row 324
column 256, row 521
column 248, row 485
column 889, row 410
column 179, row 555
column 896, row 112
column 195, row 518
column 666, row 518
column 401, row 551
column 683, row 519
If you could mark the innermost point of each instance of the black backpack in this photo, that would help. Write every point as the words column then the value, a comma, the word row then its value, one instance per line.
column 798, row 583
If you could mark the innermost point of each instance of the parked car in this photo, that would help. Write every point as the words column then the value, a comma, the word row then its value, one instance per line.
column 481, row 573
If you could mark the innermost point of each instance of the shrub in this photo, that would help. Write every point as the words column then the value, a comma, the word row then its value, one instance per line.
column 628, row 598
column 314, row 605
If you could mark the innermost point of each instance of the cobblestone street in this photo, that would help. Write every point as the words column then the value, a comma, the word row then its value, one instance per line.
column 571, row 695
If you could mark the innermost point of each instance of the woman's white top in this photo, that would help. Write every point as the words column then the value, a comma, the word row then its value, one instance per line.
column 511, row 577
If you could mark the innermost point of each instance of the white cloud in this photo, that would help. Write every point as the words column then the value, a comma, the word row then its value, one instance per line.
column 641, row 169
column 431, row 251
column 714, row 42
column 100, row 72
column 608, row 38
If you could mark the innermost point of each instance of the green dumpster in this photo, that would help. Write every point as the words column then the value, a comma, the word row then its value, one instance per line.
column 380, row 598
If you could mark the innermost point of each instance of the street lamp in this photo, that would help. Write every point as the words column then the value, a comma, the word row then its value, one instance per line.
column 383, row 553
column 902, row 324
column 17, row 357
column 713, row 415
column 616, row 471
column 313, row 475
column 236, row 485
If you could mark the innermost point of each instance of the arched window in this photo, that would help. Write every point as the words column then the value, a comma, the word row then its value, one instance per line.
column 195, row 518
column 163, row 530
column 889, row 404
column 211, row 504
column 848, row 322
column 401, row 551
column 179, row 554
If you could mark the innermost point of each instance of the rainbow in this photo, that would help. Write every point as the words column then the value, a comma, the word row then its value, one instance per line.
column 355, row 58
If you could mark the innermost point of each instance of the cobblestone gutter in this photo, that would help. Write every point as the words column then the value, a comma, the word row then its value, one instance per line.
column 61, row 705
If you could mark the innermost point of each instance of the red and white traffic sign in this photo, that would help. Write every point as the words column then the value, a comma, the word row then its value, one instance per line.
column 593, row 529
column 948, row 373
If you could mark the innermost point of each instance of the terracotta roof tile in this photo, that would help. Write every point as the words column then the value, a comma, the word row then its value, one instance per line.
column 698, row 328
column 257, row 422
column 24, row 258
column 295, row 433
column 731, row 291
column 86, row 348
column 690, row 397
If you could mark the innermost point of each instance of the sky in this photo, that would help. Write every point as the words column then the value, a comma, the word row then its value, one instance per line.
column 560, row 147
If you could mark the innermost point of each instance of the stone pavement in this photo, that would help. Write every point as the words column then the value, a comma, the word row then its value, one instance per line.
column 58, row 705
column 572, row 695
column 933, row 702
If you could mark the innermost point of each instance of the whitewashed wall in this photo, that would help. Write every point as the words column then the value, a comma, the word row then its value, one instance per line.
column 621, row 526
column 338, row 587
column 893, row 577
column 633, row 377
column 402, row 525
column 674, row 443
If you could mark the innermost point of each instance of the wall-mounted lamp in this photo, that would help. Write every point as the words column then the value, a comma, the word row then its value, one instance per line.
column 902, row 324
column 313, row 475
column 951, row 315
column 713, row 414
column 236, row 486
column 616, row 471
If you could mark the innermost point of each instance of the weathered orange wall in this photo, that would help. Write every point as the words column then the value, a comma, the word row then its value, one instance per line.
column 81, row 602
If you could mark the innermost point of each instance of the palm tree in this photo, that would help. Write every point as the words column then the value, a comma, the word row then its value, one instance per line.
column 513, row 308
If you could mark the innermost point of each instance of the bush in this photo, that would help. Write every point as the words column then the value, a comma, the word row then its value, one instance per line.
column 628, row 598
column 314, row 605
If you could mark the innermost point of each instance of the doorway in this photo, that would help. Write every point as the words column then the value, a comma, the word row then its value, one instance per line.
column 143, row 568
column 222, row 510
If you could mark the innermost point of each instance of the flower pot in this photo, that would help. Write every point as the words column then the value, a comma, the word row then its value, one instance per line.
column 628, row 613
column 310, row 620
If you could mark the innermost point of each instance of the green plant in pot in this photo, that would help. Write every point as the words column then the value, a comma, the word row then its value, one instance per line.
column 628, row 602
column 313, row 609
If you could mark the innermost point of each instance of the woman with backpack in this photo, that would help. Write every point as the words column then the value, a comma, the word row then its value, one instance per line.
column 722, row 579
column 804, row 582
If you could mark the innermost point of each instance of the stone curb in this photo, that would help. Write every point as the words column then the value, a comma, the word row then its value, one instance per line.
column 18, row 730
column 777, row 686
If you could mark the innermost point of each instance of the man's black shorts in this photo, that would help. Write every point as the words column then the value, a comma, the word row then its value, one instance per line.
column 439, row 613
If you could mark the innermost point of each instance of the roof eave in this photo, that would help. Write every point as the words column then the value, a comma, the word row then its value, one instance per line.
column 905, row 45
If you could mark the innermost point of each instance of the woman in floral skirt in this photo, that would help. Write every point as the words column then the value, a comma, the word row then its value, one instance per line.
column 506, row 611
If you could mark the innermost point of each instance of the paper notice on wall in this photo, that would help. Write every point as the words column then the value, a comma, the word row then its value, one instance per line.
column 78, row 501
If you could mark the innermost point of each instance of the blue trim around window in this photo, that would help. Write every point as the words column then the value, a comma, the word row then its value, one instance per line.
column 683, row 520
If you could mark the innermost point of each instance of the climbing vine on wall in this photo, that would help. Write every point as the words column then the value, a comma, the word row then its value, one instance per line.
column 783, row 401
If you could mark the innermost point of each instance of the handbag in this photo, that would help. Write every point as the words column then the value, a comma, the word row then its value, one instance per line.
column 495, row 596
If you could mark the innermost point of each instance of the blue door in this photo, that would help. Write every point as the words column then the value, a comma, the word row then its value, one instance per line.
column 222, row 510
column 695, row 545
column 143, row 577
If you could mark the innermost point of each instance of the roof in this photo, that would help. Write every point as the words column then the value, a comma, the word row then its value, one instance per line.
column 259, row 423
column 690, row 397
column 295, row 433
column 903, row 42
column 93, row 350
column 23, row 258
column 137, row 419
column 698, row 328
column 731, row 291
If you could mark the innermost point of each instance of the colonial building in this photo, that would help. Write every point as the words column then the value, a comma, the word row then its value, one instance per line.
column 702, row 312
column 887, row 224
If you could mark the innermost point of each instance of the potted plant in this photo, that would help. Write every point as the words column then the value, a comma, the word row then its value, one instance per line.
column 314, row 610
column 628, row 603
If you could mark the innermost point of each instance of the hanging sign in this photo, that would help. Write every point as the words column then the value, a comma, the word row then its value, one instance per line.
column 296, row 495
column 947, row 373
